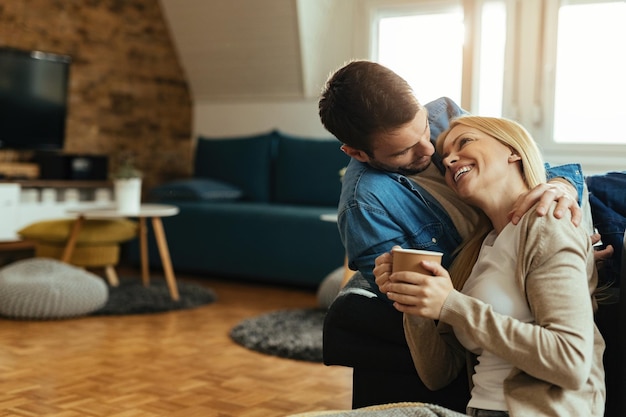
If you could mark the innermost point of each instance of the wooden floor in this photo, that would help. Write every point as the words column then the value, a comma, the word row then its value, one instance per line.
column 170, row 364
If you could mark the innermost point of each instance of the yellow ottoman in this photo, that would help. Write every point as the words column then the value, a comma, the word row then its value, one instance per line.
column 97, row 244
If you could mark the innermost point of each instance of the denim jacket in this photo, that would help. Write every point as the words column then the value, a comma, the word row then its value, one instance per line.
column 607, row 198
column 379, row 209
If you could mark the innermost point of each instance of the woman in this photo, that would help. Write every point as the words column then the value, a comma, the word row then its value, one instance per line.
column 524, row 315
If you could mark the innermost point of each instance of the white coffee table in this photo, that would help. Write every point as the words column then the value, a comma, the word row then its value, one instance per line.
column 146, row 211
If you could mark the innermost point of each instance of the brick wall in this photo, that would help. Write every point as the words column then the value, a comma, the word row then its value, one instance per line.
column 128, row 92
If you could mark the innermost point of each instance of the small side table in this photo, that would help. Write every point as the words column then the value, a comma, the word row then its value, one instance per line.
column 146, row 211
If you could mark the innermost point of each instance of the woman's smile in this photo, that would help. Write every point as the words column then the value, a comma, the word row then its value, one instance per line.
column 461, row 171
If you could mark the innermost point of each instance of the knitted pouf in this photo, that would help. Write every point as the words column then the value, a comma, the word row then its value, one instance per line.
column 329, row 288
column 41, row 288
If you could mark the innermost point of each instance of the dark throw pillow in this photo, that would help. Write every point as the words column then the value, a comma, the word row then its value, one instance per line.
column 196, row 189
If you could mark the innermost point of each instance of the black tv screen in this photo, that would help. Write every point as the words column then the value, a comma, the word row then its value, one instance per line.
column 33, row 99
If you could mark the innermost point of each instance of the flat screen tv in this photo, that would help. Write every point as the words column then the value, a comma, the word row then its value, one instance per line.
column 33, row 99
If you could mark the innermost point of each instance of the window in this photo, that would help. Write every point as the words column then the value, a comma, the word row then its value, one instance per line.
column 433, row 69
column 491, row 59
column 590, row 68
column 556, row 66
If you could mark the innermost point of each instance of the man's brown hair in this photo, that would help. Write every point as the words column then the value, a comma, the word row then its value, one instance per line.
column 363, row 99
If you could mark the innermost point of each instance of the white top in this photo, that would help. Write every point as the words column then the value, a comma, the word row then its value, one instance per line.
column 145, row 210
column 493, row 281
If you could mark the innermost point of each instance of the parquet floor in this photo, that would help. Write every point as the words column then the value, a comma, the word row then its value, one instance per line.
column 171, row 364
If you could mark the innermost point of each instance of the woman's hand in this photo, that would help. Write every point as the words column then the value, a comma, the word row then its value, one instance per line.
column 560, row 191
column 412, row 292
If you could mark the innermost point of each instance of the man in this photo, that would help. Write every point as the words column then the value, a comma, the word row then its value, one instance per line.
column 393, row 190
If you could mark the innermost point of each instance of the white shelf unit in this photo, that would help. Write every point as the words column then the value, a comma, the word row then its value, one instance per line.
column 25, row 202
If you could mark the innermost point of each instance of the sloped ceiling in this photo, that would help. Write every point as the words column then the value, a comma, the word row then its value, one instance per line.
column 237, row 49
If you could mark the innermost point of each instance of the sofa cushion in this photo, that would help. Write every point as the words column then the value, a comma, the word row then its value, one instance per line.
column 209, row 237
column 196, row 189
column 244, row 162
column 307, row 171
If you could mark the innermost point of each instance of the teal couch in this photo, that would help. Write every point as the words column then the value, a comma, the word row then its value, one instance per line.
column 252, row 210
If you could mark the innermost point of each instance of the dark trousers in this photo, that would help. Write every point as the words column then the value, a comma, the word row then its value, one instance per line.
column 475, row 412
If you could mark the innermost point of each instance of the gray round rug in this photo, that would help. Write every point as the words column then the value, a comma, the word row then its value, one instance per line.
column 131, row 297
column 292, row 334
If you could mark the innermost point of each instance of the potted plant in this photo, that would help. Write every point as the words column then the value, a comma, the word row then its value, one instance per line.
column 127, row 184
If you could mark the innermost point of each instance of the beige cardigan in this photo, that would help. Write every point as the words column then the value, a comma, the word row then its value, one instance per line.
column 557, row 360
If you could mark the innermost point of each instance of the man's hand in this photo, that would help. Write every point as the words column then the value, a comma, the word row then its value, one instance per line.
column 382, row 270
column 600, row 255
column 556, row 190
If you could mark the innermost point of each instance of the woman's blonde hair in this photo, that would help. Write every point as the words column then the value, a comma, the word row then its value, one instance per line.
column 514, row 136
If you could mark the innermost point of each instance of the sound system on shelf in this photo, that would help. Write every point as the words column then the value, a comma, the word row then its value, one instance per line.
column 21, row 170
column 53, row 166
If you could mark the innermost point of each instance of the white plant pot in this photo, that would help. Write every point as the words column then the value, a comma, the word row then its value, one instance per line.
column 128, row 195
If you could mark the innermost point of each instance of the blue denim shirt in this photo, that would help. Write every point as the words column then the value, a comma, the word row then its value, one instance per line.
column 379, row 209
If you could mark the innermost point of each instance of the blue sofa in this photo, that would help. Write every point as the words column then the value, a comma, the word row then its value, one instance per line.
column 252, row 210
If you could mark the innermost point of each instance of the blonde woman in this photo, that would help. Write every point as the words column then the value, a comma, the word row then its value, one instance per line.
column 522, row 320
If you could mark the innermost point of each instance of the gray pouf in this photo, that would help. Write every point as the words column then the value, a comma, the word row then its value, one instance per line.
column 42, row 288
column 329, row 288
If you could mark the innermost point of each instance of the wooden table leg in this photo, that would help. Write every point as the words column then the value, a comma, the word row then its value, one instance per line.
column 71, row 240
column 111, row 275
column 143, row 248
column 159, row 233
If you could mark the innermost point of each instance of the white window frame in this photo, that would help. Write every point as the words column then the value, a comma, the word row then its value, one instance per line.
column 595, row 158
column 378, row 9
column 528, row 91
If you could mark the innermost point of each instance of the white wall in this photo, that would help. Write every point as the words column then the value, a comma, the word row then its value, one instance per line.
column 234, row 119
column 326, row 29
column 327, row 41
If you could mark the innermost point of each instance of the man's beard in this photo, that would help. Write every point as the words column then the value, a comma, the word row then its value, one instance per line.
column 404, row 170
